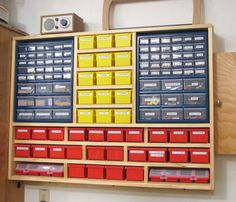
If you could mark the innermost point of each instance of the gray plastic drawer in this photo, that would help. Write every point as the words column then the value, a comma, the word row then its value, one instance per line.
column 24, row 114
column 195, row 114
column 165, row 40
column 166, row 64
column 177, row 72
column 188, row 47
column 144, row 73
column 176, row 48
column 188, row 56
column 44, row 88
column 144, row 65
column 188, row 72
column 21, row 77
column 144, row 56
column 155, row 49
column 199, row 55
column 40, row 69
column 43, row 101
column 58, row 69
column 62, row 88
column 149, row 100
column 188, row 63
column 25, row 88
column 150, row 114
column 199, row 38
column 177, row 39
column 67, row 69
column 150, row 85
column 165, row 56
column 194, row 84
column 200, row 71
column 172, row 85
column 195, row 99
column 143, row 49
column 165, row 49
column 172, row 100
column 200, row 63
column 61, row 114
column 177, row 56
column 43, row 114
column 155, row 65
column 172, row 114
column 62, row 101
column 58, row 54
column 154, row 40
column 25, row 101
column 39, row 77
column 166, row 72
column 154, row 57
column 155, row 72
column 199, row 47
column 67, row 54
column 144, row 41
column 177, row 64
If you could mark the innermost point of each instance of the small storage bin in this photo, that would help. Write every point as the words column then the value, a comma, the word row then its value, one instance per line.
column 104, row 97
column 76, row 171
column 137, row 154
column 157, row 154
column 77, row 134
column 150, row 100
column 95, row 172
column 199, row 155
column 115, row 135
column 39, row 134
column 57, row 152
column 179, row 136
column 74, row 152
column 123, row 40
column 199, row 135
column 86, row 79
column 123, row 78
column 150, row 115
column 150, row 85
column 104, row 116
column 24, row 115
column 134, row 135
column 56, row 134
column 104, row 59
column 115, row 153
column 34, row 169
column 85, row 116
column 62, row 101
column 172, row 175
column 178, row 155
column 87, row 42
column 62, row 88
column 156, row 174
column 122, row 115
column 134, row 173
column 22, row 133
column 123, row 59
column 85, row 97
column 22, row 169
column 22, row 150
column 172, row 114
column 96, row 134
column 201, row 176
column 25, row 89
column 172, row 85
column 57, row 170
column 96, row 153
column 25, row 102
column 43, row 88
column 115, row 172
column 195, row 99
column 39, row 151
column 186, row 175
column 104, row 78
column 157, row 135
column 105, row 41
column 43, row 114
column 123, row 97
column 172, row 100
column 86, row 60
column 43, row 101
column 195, row 114
column 194, row 84
column 62, row 114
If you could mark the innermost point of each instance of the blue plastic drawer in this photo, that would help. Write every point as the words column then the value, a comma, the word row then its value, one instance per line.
column 39, row 69
column 62, row 101
column 30, row 77
column 166, row 49
column 150, row 115
column 25, row 89
column 22, row 78
column 177, row 39
column 40, row 63
column 166, row 64
column 199, row 47
column 195, row 84
column 58, row 69
column 43, row 114
column 58, row 54
column 147, row 85
column 177, row 48
column 165, row 56
column 24, row 115
column 48, row 76
column 48, row 62
column 22, row 63
column 166, row 72
column 188, row 63
column 177, row 64
column 44, row 88
column 172, row 85
column 172, row 114
column 67, row 46
column 67, row 69
column 62, row 114
column 195, row 114
column 195, row 99
column 172, row 100
column 144, row 41
column 57, row 61
column 43, row 101
column 177, row 56
column 147, row 100
column 25, row 102
column 66, row 76
column 188, row 72
column 49, row 55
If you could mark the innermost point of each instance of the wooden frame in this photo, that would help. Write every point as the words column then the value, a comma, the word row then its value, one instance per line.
column 146, row 183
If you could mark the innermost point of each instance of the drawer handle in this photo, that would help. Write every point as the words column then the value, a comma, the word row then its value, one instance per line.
column 218, row 103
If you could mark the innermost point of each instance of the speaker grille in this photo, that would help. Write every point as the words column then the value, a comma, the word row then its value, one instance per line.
column 49, row 24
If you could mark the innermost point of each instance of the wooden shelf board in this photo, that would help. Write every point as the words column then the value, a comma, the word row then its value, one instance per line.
column 104, row 87
column 131, row 144
column 97, row 106
column 101, row 50
column 169, row 185
column 149, row 164
column 96, row 69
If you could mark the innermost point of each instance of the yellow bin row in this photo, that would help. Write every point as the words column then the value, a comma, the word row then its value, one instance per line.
column 104, row 59
column 105, row 41
column 104, row 97
column 104, row 78
column 104, row 116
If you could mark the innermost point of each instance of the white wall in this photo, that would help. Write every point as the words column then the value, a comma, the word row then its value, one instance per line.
column 25, row 14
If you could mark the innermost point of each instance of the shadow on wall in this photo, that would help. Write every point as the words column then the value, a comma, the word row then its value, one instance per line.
column 219, row 44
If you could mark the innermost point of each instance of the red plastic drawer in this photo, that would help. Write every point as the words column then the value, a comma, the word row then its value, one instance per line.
column 22, row 169
column 96, row 153
column 39, row 134
column 199, row 135
column 96, row 172
column 96, row 134
column 39, row 151
column 22, row 133
column 22, row 150
column 201, row 176
column 186, row 175
column 157, row 135
column 76, row 171
column 178, row 135
column 56, row 134
column 57, row 170
column 115, row 153
column 134, row 135
column 171, row 175
column 137, row 154
column 134, row 173
column 115, row 172
column 45, row 170
column 199, row 155
column 156, row 174
column 57, row 152
column 157, row 154
column 74, row 152
column 115, row 135
column 178, row 155
column 77, row 134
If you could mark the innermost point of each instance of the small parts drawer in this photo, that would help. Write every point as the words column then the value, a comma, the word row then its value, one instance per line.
column 39, row 134
column 22, row 133
column 96, row 153
column 77, row 134
column 179, row 155
column 22, row 150
column 134, row 173
column 74, row 152
column 179, row 136
column 157, row 155
column 39, row 151
column 96, row 172
column 96, row 134
column 56, row 133
column 158, row 135
column 135, row 135
column 137, row 154
column 115, row 135
column 199, row 155
column 57, row 152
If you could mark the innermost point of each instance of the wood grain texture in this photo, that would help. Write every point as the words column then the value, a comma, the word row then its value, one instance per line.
column 8, row 190
column 225, row 88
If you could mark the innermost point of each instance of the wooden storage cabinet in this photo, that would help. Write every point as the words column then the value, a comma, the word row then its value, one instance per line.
column 105, row 137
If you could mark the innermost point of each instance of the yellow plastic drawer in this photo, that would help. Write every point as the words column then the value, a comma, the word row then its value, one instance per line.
column 123, row 40
column 122, row 115
column 85, row 116
column 104, row 116
column 123, row 59
column 86, row 60
column 104, row 96
column 104, row 78
column 87, row 42
column 85, row 97
column 85, row 79
column 123, row 77
column 104, row 59
column 105, row 41
column 123, row 97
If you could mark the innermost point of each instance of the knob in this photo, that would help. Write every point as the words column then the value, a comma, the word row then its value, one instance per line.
column 65, row 22
column 218, row 103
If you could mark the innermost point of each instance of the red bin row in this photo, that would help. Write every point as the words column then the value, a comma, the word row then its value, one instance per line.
column 106, row 172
